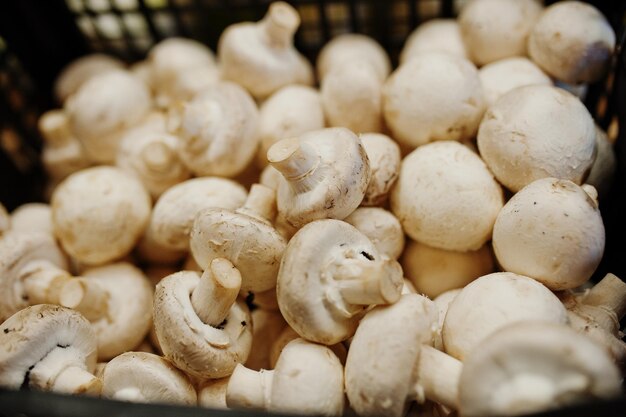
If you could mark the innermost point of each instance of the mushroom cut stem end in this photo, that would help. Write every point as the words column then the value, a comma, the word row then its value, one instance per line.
column 158, row 156
column 365, row 282
column 610, row 294
column 75, row 380
column 85, row 296
column 216, row 292
column 293, row 158
column 280, row 23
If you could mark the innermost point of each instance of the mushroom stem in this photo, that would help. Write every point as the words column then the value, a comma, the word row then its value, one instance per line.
column 85, row 296
column 130, row 394
column 75, row 380
column 609, row 294
column 260, row 204
column 43, row 281
column 438, row 376
column 216, row 292
column 280, row 24
column 158, row 156
column 249, row 389
column 61, row 370
column 364, row 282
column 296, row 160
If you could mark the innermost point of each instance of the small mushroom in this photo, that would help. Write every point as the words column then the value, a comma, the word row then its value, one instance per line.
column 48, row 348
column 141, row 377
column 488, row 39
column 391, row 360
column 446, row 197
column 245, row 237
column 381, row 227
column 435, row 35
column 602, row 173
column 500, row 77
column 289, row 112
column 435, row 96
column 573, row 42
column 212, row 393
column 32, row 218
column 200, row 325
column 176, row 209
column 490, row 303
column 552, row 231
column 81, row 70
column 534, row 132
column 308, row 379
column 326, row 173
column 434, row 271
column 329, row 273
column 529, row 367
column 442, row 302
column 385, row 158
column 217, row 131
column 103, row 108
column 99, row 214
column 260, row 56
column 267, row 326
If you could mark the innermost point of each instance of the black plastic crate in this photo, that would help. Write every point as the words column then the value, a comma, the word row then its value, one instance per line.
column 39, row 37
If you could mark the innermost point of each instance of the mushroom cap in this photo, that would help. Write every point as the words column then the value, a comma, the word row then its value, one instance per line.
column 604, row 167
column 488, row 39
column 385, row 159
column 252, row 244
column 534, row 132
column 197, row 348
column 103, row 108
column 500, row 77
column 36, row 332
column 290, row 111
column 128, row 318
column 442, row 302
column 218, row 131
column 18, row 250
column 32, row 218
column 530, row 367
column 380, row 369
column 147, row 376
column 79, row 71
column 433, row 271
column 492, row 302
column 212, row 393
column 335, row 186
column 176, row 209
column 573, row 42
column 344, row 50
column 308, row 294
column 99, row 214
column 260, row 56
column 381, row 227
column 552, row 231
column 308, row 379
column 446, row 197
column 435, row 35
column 435, row 96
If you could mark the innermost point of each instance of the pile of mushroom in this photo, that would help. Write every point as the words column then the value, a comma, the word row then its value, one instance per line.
column 420, row 238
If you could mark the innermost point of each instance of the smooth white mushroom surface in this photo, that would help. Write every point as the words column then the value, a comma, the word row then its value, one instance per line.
column 552, row 231
column 79, row 71
column 573, row 42
column 435, row 96
column 32, row 218
column 381, row 227
column 385, row 158
column 436, row 35
column 446, row 197
column 535, row 132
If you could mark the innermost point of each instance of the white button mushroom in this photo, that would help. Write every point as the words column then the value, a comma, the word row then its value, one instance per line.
column 326, row 173
column 391, row 360
column 146, row 378
column 79, row 71
column 488, row 39
column 266, row 328
column 530, row 367
column 502, row 76
column 385, row 158
column 49, row 348
column 573, row 42
column 604, row 167
column 436, row 35
column 434, row 271
column 552, row 231
column 287, row 335
column 218, row 131
column 32, row 218
column 434, row 96
column 212, row 393
column 329, row 273
column 345, row 49
column 260, row 56
column 176, row 209
column 103, row 108
column 200, row 325
column 381, row 227
column 442, row 302
column 245, row 237
column 308, row 379
column 99, row 214
column 490, row 303
column 290, row 111
column 446, row 197
column 535, row 132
